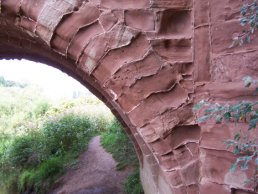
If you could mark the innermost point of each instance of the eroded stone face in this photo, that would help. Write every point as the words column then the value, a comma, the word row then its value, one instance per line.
column 149, row 61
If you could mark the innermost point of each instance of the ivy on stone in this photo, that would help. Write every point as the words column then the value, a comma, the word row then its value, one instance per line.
column 249, row 19
column 244, row 145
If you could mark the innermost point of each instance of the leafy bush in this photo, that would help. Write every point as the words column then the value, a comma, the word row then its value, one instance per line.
column 20, row 109
column 34, row 160
column 133, row 183
column 41, row 178
column 41, row 108
column 70, row 132
column 116, row 142
column 25, row 151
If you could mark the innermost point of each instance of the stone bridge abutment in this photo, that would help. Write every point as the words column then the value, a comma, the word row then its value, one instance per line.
column 150, row 61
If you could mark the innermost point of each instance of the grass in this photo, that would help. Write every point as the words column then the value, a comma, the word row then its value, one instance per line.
column 42, row 177
column 132, row 184
column 116, row 142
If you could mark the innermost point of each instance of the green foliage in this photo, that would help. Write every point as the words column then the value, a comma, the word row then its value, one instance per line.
column 9, row 83
column 41, row 178
column 42, row 154
column 237, row 112
column 41, row 108
column 244, row 145
column 249, row 18
column 115, row 141
column 70, row 132
column 25, row 151
column 20, row 109
column 133, row 183
column 60, row 108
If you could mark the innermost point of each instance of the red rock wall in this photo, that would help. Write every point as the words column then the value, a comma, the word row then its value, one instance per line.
column 149, row 61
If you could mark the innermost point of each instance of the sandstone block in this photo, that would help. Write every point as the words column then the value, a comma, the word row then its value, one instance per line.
column 174, row 23
column 125, row 4
column 140, row 19
column 202, row 54
column 201, row 12
column 107, row 20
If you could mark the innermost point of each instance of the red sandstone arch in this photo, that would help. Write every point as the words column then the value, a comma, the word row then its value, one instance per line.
column 149, row 61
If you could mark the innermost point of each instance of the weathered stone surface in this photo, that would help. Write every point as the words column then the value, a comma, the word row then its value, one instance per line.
column 186, row 153
column 171, row 4
column 31, row 9
column 175, row 117
column 27, row 24
column 190, row 173
column 173, row 50
column 11, row 7
column 136, row 70
column 147, row 86
column 221, row 42
column 169, row 163
column 224, row 11
column 81, row 39
column 149, row 61
column 201, row 13
column 108, row 20
column 183, row 135
column 175, row 22
column 158, row 103
column 115, row 59
column 192, row 189
column 210, row 187
column 125, row 4
column 81, row 20
column 175, row 178
column 213, row 172
column 140, row 19
column 50, row 16
column 222, row 69
column 202, row 54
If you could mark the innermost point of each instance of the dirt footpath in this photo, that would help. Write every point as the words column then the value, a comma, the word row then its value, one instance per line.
column 95, row 174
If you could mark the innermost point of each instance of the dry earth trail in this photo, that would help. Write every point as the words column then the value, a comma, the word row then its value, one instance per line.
column 95, row 173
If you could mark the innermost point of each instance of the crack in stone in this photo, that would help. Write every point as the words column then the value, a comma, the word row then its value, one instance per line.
column 74, row 36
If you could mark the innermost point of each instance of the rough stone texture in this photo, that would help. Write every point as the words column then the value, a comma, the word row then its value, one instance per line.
column 149, row 61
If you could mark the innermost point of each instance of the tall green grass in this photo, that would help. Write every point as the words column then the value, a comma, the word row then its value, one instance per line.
column 132, row 185
column 116, row 142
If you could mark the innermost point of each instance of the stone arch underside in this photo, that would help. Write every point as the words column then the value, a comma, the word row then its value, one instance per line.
column 149, row 61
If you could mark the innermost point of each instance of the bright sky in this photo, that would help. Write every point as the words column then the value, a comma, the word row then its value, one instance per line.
column 55, row 83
